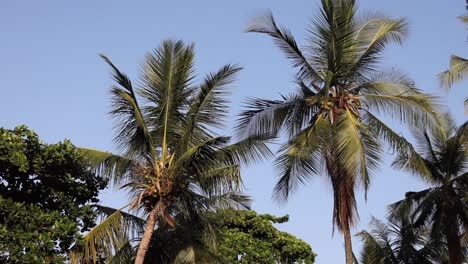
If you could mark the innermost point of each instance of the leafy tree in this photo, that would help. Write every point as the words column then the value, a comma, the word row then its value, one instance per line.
column 332, row 120
column 46, row 198
column 443, row 207
column 458, row 69
column 247, row 237
column 172, row 163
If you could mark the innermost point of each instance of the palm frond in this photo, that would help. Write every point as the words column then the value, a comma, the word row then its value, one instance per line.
column 167, row 75
column 125, row 255
column 464, row 19
column 458, row 71
column 388, row 82
column 408, row 158
column 207, row 107
column 103, row 240
column 332, row 46
column 200, row 156
column 132, row 131
column 357, row 150
column 301, row 157
column 219, row 179
column 108, row 165
column 134, row 224
column 209, row 104
column 233, row 200
column 396, row 241
column 269, row 116
column 372, row 251
column 265, row 23
column 414, row 110
column 118, row 76
column 373, row 36
column 247, row 151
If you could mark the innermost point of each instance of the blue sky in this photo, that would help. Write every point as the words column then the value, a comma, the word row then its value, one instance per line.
column 53, row 80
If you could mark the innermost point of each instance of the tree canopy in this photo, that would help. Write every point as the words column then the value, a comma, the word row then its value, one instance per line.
column 46, row 198
column 247, row 237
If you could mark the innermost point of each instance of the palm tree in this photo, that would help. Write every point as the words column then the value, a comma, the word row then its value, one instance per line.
column 173, row 164
column 332, row 119
column 458, row 70
column 444, row 205
column 396, row 242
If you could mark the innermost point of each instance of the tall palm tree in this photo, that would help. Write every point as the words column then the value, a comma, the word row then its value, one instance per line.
column 172, row 162
column 444, row 205
column 458, row 70
column 396, row 242
column 332, row 119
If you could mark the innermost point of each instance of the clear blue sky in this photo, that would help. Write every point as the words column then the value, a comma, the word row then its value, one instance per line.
column 53, row 80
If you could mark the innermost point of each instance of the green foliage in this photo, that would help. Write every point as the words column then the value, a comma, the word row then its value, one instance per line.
column 247, row 237
column 46, row 197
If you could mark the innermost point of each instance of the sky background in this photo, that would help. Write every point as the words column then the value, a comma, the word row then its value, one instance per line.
column 52, row 79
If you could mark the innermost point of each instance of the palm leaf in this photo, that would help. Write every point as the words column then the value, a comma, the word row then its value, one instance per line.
column 167, row 75
column 208, row 105
column 132, row 132
column 110, row 166
column 373, row 36
column 414, row 110
column 247, row 151
column 231, row 200
column 105, row 238
column 372, row 252
column 268, row 116
column 387, row 82
column 332, row 46
column 200, row 156
column 357, row 151
column 265, row 23
column 458, row 71
column 216, row 180
column 301, row 157
column 407, row 157
column 125, row 255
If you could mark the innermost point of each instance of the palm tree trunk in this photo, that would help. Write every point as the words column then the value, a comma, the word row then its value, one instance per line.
column 453, row 240
column 344, row 207
column 348, row 245
column 145, row 241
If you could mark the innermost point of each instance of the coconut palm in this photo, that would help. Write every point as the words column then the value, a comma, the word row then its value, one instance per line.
column 458, row 70
column 444, row 205
column 397, row 242
column 172, row 163
column 332, row 120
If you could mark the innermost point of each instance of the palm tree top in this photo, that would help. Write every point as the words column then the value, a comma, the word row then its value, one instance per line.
column 172, row 163
column 340, row 87
column 441, row 208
